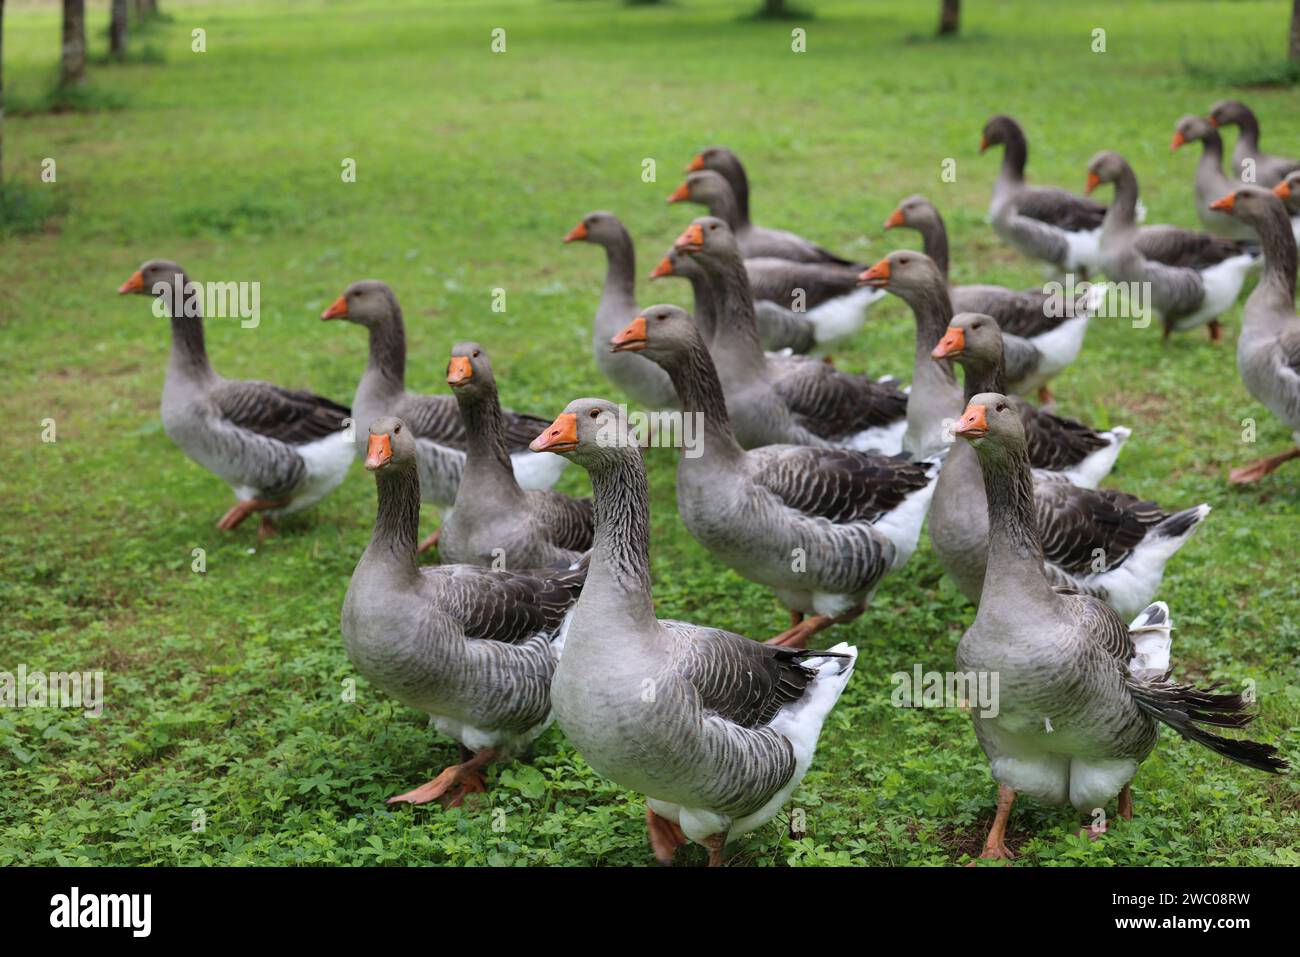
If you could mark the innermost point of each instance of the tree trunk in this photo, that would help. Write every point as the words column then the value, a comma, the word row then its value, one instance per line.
column 117, row 30
column 2, row 95
column 73, row 68
column 774, row 8
column 950, row 17
column 1294, row 52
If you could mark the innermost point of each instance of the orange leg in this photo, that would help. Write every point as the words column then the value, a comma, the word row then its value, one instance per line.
column 1045, row 395
column 995, row 846
column 1126, row 802
column 1216, row 331
column 797, row 635
column 450, row 787
column 715, row 843
column 1257, row 470
column 241, row 510
column 430, row 542
column 665, row 837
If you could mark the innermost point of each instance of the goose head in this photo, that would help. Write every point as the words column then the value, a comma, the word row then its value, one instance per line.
column 469, row 370
column 659, row 332
column 972, row 339
column 367, row 302
column 906, row 273
column 705, row 187
column 677, row 263
column 1106, row 167
column 599, row 226
column 1289, row 191
column 999, row 131
column 145, row 280
column 915, row 212
column 1251, row 204
column 1229, row 113
column 709, row 238
column 716, row 158
column 590, row 432
column 1191, row 128
column 991, row 425
column 391, row 447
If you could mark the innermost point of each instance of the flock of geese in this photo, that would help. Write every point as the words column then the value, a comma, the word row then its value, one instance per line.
column 812, row 481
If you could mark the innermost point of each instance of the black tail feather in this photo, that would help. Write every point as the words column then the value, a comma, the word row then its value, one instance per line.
column 1185, row 708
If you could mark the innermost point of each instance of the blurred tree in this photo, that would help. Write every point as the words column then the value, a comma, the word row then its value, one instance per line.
column 950, row 17
column 72, row 69
column 2, row 95
column 1295, row 31
column 117, row 30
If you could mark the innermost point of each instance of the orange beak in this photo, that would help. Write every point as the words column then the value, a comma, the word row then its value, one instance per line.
column 459, row 371
column 984, row 143
column 1179, row 140
column 1225, row 204
column 631, row 339
column 560, row 436
column 338, row 309
column 665, row 268
column 134, row 284
column 1093, row 182
column 973, row 424
column 1282, row 190
column 877, row 276
column 577, row 233
column 1213, row 122
column 681, row 194
column 379, row 451
column 895, row 219
column 695, row 164
column 952, row 344
column 691, row 240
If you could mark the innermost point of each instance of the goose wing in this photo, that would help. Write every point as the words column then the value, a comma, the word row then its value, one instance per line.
column 1078, row 524
column 1020, row 357
column 831, row 404
column 840, row 485
column 1061, row 208
column 780, row 281
column 1017, row 313
column 782, row 244
column 505, row 606
column 1055, row 443
column 1186, row 248
column 569, row 522
column 292, row 416
column 436, row 418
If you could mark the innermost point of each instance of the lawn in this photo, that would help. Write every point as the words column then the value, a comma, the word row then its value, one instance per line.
column 227, row 736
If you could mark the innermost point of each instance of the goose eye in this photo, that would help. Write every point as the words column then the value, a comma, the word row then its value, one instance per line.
column 1001, row 407
column 595, row 413
column 475, row 356
column 396, row 429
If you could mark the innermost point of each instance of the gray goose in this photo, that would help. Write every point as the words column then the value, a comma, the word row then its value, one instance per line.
column 1044, row 330
column 777, row 328
column 433, row 420
column 1268, row 350
column 714, row 729
column 755, row 240
column 793, row 400
column 1081, row 695
column 1042, row 222
column 643, row 381
column 1135, row 538
column 1058, row 447
column 1289, row 192
column 820, row 527
column 1194, row 277
column 280, row 450
column 824, row 295
column 1268, row 170
column 1210, row 182
column 474, row 648
column 494, row 522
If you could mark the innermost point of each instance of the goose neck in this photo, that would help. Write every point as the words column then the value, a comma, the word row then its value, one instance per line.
column 1277, row 285
column 619, row 575
column 735, row 329
column 487, row 457
column 397, row 520
column 620, row 266
column 934, row 241
column 696, row 382
column 388, row 350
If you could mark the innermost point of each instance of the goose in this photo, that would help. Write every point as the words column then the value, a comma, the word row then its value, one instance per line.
column 778, row 329
column 1247, row 157
column 1052, row 328
column 1058, row 447
column 494, row 521
column 794, row 400
column 1192, row 277
column 644, row 381
column 1210, row 183
column 1081, row 695
column 280, row 450
column 1103, row 542
column 825, row 295
column 433, row 420
column 1042, row 222
column 1268, row 350
column 820, row 527
column 475, row 648
column 1289, row 192
column 715, row 730
column 755, row 240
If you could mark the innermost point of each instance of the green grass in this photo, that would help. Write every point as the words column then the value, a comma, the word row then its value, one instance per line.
column 224, row 689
